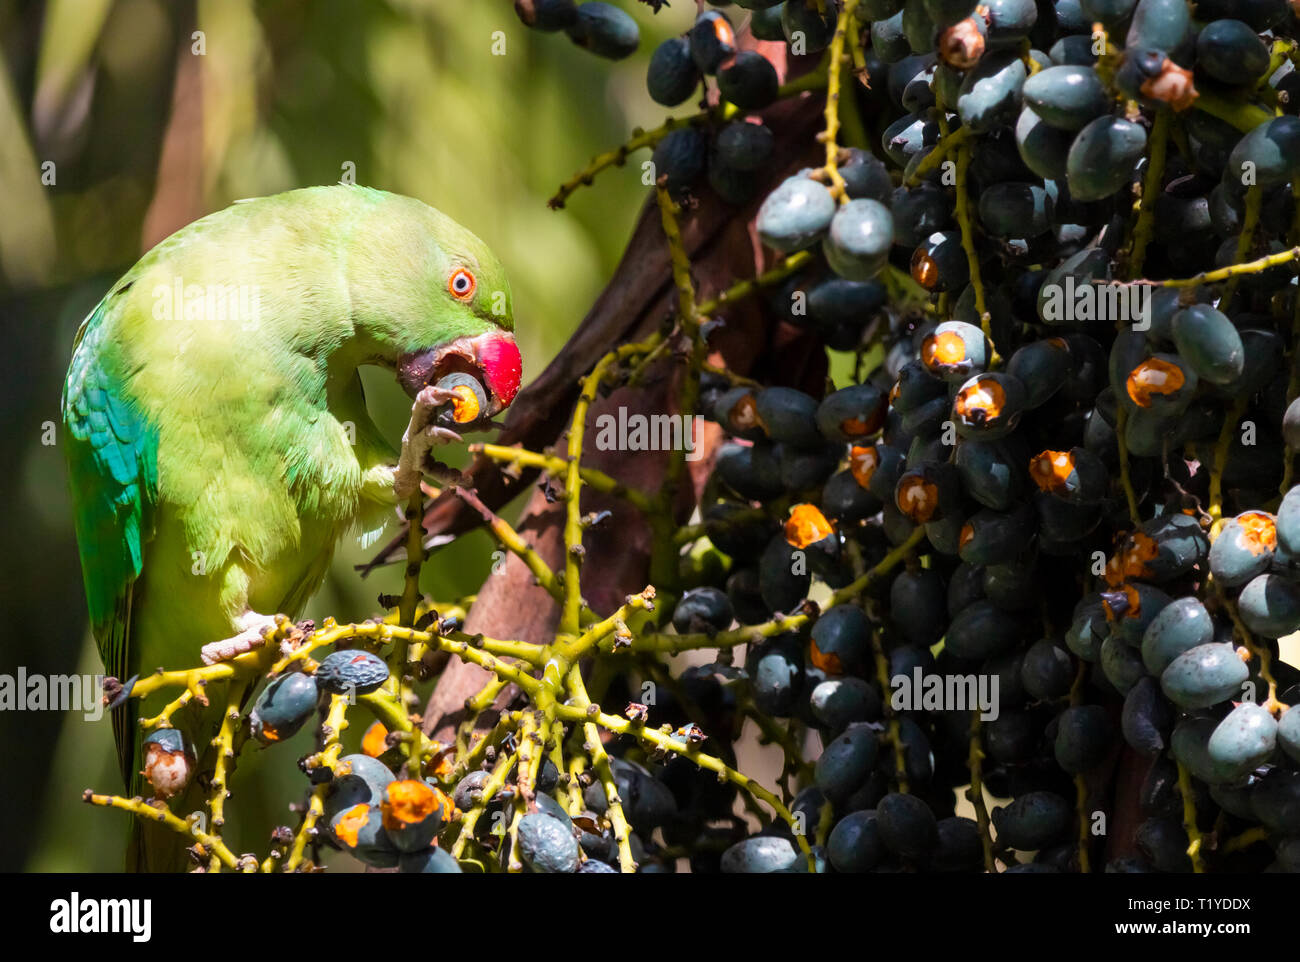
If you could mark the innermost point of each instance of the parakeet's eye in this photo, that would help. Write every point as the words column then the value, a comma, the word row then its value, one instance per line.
column 461, row 284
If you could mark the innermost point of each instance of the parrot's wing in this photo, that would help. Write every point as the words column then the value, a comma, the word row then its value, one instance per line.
column 113, row 469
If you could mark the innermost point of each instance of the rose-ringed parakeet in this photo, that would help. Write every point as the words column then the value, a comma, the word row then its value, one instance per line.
column 218, row 443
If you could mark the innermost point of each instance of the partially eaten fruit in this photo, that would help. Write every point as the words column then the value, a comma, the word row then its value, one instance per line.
column 470, row 404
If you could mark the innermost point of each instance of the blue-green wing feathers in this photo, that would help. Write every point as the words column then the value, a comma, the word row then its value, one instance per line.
column 112, row 460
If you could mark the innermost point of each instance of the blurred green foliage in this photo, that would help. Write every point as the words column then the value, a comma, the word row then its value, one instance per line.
column 138, row 130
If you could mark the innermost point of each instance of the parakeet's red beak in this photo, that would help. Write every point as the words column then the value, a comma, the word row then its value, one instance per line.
column 492, row 358
column 501, row 364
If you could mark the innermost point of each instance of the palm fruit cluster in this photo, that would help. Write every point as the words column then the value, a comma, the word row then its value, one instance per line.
column 390, row 822
column 367, row 811
column 599, row 28
column 1083, row 464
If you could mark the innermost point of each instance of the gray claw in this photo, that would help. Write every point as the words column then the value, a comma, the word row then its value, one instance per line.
column 445, row 435
column 124, row 693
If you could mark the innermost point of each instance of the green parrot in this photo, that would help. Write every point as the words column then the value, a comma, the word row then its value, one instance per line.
column 218, row 443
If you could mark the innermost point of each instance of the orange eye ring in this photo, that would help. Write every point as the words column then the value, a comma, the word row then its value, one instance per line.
column 462, row 284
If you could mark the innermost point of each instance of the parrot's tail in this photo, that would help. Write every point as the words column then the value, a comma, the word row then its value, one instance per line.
column 141, row 839
column 152, row 846
column 155, row 848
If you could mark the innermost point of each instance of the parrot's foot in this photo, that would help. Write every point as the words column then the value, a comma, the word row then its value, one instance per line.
column 421, row 435
column 252, row 627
